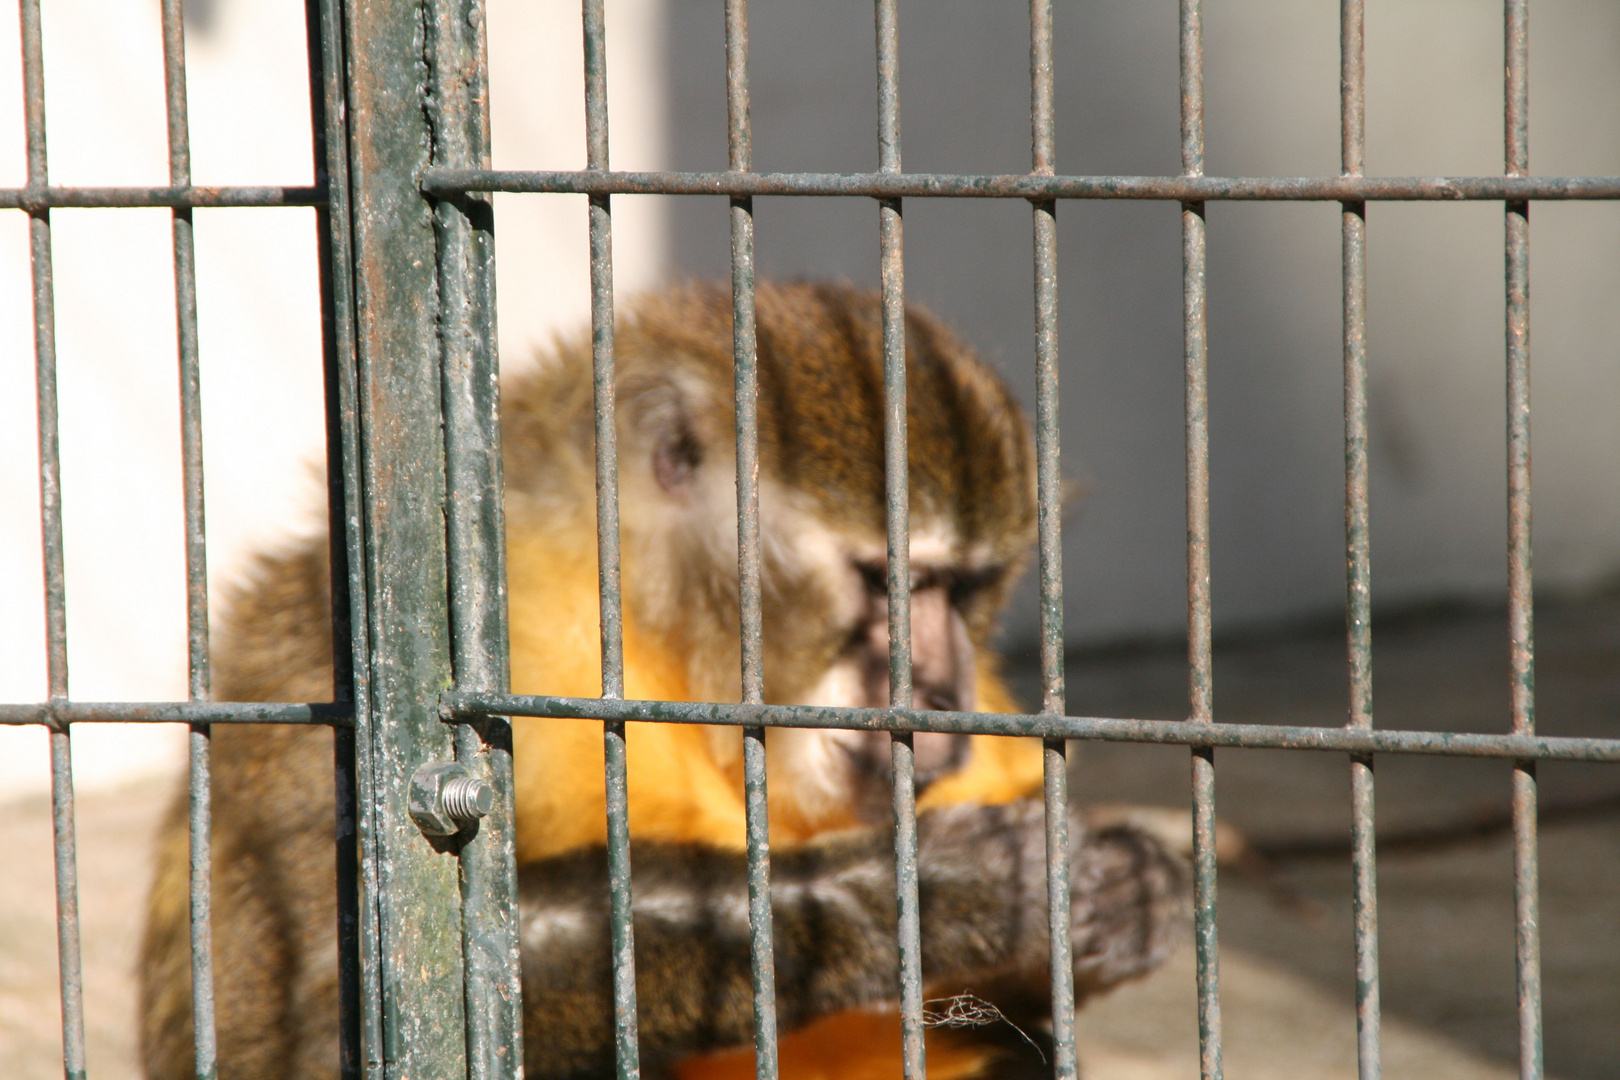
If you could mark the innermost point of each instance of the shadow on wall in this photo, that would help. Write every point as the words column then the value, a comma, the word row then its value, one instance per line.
column 1435, row 278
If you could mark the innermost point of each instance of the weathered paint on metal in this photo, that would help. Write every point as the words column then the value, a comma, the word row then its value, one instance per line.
column 745, row 362
column 57, row 715
column 1342, row 740
column 1526, row 883
column 891, row 256
column 1195, row 341
column 64, row 837
column 69, row 965
column 880, row 185
column 42, row 197
column 359, row 946
column 475, row 531
column 402, row 486
column 1358, row 566
column 615, row 757
column 1049, row 487
column 199, row 782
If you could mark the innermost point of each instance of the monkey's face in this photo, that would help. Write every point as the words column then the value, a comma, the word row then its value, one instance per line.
column 838, row 655
column 825, row 603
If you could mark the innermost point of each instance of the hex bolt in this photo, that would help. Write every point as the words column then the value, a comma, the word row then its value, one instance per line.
column 445, row 796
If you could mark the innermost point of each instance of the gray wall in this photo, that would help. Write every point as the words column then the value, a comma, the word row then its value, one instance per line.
column 1434, row 73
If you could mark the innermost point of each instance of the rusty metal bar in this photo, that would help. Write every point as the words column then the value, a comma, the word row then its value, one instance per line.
column 70, row 968
column 894, row 185
column 475, row 532
column 607, row 438
column 1049, row 483
column 739, row 150
column 199, row 784
column 1199, row 650
column 358, row 944
column 627, row 1049
column 402, row 494
column 897, row 513
column 1193, row 732
column 58, row 714
column 41, row 197
column 1526, row 885
column 1358, row 575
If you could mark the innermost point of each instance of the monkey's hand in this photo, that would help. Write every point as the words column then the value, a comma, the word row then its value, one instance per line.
column 982, row 886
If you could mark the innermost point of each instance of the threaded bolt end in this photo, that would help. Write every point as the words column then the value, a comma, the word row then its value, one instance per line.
column 467, row 798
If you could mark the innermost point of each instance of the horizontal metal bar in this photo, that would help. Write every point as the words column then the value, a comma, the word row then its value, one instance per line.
column 58, row 713
column 450, row 182
column 36, row 199
column 454, row 705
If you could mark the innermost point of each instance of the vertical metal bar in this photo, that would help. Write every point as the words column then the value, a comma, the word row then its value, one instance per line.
column 185, row 284
column 607, row 546
column 1199, row 652
column 898, row 517
column 403, row 502
column 50, row 523
column 200, row 788
column 67, row 905
column 762, row 959
column 1049, row 481
column 607, row 438
column 475, row 529
column 1358, row 579
column 1526, row 887
column 50, row 468
column 359, row 960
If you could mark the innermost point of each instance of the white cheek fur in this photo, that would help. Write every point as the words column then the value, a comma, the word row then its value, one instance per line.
column 809, row 766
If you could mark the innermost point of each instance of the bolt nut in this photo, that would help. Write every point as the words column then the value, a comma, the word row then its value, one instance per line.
column 446, row 796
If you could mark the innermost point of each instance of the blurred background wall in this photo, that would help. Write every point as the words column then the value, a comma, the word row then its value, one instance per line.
column 1434, row 77
column 1435, row 290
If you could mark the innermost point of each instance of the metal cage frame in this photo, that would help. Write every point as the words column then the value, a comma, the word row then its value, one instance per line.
column 428, row 952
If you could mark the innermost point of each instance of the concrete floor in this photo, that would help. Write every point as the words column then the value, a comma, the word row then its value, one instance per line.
column 1445, row 911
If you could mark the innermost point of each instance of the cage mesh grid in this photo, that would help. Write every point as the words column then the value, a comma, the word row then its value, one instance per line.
column 456, row 188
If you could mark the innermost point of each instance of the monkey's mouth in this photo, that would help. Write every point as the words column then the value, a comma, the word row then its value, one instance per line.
column 869, row 758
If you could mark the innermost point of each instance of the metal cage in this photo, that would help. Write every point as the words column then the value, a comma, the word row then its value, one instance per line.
column 398, row 93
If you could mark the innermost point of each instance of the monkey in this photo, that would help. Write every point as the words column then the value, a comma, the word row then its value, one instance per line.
column 821, row 490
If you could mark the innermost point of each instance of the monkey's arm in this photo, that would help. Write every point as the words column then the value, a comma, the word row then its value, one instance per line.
column 981, row 878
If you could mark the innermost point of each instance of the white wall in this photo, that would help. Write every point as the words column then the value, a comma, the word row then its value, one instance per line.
column 258, row 320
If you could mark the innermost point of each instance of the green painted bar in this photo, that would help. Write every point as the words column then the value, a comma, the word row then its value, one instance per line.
column 895, row 185
column 1049, row 484
column 475, row 533
column 358, row 947
column 1357, row 537
column 745, row 361
column 402, row 483
column 1521, row 604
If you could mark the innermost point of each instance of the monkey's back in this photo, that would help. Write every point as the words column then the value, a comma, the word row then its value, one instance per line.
column 274, row 868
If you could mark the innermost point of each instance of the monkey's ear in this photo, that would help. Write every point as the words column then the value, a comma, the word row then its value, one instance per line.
column 676, row 457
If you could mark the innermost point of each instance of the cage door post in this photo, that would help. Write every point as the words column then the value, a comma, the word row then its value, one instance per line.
column 403, row 494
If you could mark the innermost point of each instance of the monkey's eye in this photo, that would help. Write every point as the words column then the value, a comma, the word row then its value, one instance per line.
column 875, row 576
column 676, row 459
column 965, row 585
